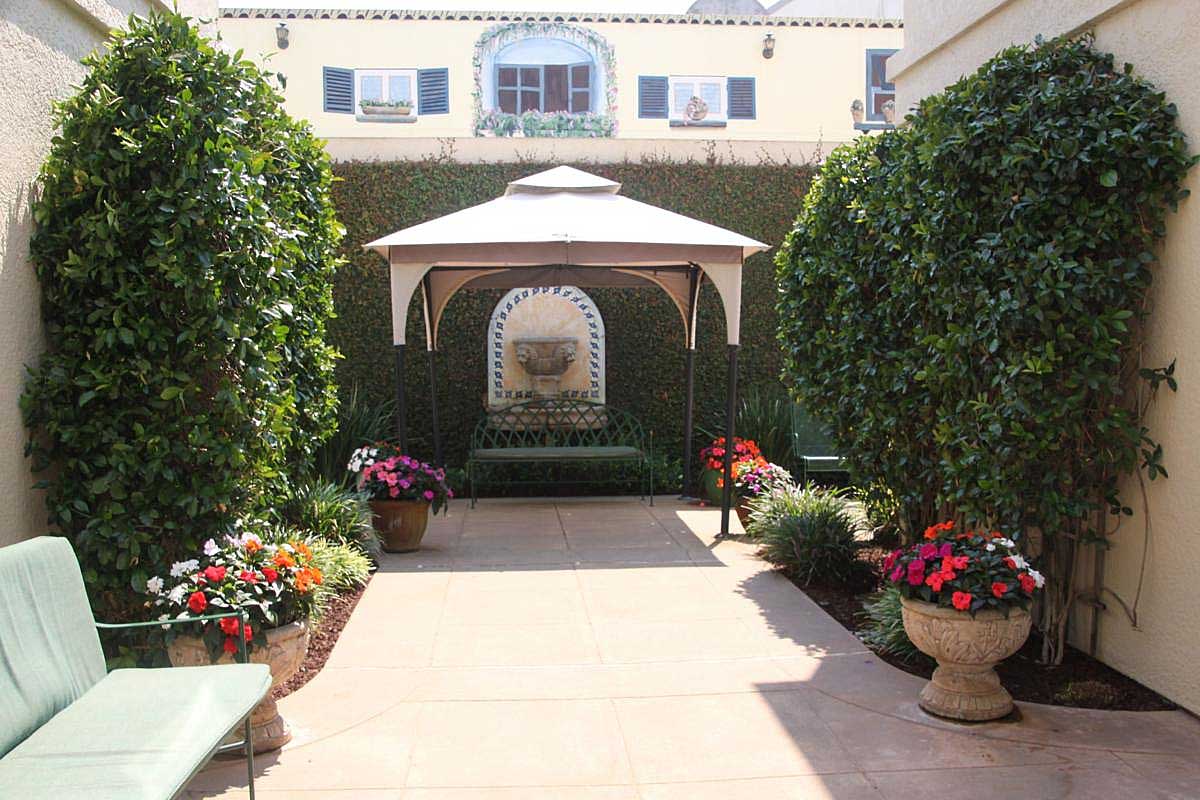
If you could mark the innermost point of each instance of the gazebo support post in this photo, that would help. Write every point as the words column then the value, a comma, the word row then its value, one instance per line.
column 689, row 380
column 401, row 422
column 433, row 409
column 730, row 417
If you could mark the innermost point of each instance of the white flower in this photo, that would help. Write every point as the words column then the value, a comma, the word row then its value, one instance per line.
column 154, row 585
column 1038, row 578
column 181, row 568
column 211, row 548
column 177, row 594
column 1020, row 562
column 248, row 537
column 1009, row 543
column 165, row 616
column 989, row 547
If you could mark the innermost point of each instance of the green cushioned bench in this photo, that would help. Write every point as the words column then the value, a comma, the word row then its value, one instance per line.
column 558, row 431
column 67, row 729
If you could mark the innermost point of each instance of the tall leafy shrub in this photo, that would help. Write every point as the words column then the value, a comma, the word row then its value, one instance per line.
column 185, row 244
column 961, row 299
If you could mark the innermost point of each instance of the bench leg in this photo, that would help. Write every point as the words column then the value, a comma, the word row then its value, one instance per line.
column 471, row 480
column 249, row 757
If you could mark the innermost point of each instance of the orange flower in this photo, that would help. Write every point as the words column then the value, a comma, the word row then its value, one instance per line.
column 252, row 546
column 284, row 559
column 303, row 550
column 303, row 582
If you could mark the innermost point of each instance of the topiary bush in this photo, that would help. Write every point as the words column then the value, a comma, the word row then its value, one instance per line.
column 961, row 298
column 185, row 243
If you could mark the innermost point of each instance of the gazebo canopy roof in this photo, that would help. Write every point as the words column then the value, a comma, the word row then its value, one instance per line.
column 563, row 226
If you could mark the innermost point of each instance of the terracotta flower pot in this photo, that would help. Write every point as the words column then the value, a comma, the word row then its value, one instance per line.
column 401, row 523
column 965, row 684
column 284, row 653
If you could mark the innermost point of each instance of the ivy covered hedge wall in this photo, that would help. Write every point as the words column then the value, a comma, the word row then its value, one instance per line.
column 645, row 354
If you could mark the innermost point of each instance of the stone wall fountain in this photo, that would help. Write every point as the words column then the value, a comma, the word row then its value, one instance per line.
column 545, row 359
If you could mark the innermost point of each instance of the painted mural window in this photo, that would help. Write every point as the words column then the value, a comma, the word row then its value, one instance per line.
column 543, row 79
column 880, row 90
column 386, row 86
column 696, row 98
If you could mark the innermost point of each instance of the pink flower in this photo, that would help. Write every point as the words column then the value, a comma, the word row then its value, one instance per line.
column 405, row 483
column 890, row 560
column 928, row 550
column 946, row 550
column 428, row 495
column 897, row 573
column 394, row 492
column 916, row 572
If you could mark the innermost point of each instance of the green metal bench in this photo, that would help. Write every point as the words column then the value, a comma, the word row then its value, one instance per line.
column 68, row 731
column 811, row 447
column 559, row 431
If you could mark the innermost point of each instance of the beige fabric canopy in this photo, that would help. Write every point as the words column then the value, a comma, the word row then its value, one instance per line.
column 563, row 226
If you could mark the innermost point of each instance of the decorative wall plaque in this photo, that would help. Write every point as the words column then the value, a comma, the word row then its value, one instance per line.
column 545, row 342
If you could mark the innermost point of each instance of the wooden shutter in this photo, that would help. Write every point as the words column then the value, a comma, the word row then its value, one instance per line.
column 652, row 96
column 338, row 86
column 741, row 98
column 555, row 97
column 433, row 91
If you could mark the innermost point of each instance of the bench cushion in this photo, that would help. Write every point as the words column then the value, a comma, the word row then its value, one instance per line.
column 554, row 453
column 135, row 735
column 49, row 650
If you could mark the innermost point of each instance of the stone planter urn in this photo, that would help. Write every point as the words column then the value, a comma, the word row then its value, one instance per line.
column 401, row 523
column 284, row 653
column 856, row 111
column 965, row 685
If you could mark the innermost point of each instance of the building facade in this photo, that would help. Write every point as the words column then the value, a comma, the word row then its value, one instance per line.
column 379, row 83
column 1147, row 626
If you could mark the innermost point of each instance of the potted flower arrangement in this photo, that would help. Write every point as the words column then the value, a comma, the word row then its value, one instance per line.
column 965, row 598
column 400, row 108
column 713, row 458
column 271, row 578
column 402, row 492
column 752, row 478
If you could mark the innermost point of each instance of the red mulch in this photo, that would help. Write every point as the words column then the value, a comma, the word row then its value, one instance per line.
column 321, row 643
column 1080, row 681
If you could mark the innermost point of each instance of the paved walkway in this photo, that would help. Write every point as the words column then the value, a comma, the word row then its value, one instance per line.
column 604, row 650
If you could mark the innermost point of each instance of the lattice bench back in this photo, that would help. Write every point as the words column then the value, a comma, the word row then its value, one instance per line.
column 558, row 423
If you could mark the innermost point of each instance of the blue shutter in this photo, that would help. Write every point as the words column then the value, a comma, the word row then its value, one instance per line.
column 339, row 89
column 741, row 98
column 652, row 97
column 433, row 91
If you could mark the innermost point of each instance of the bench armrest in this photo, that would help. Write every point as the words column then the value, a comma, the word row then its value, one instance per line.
column 239, row 613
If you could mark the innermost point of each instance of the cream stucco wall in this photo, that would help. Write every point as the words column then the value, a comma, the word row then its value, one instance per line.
column 803, row 93
column 41, row 43
column 1161, row 38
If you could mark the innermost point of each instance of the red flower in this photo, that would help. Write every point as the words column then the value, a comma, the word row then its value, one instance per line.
column 960, row 562
column 228, row 626
column 999, row 589
column 247, row 576
column 934, row 581
column 1028, row 584
column 1008, row 562
column 231, row 645
column 962, row 600
column 270, row 574
column 197, row 602
column 249, row 631
column 916, row 572
column 214, row 574
column 890, row 561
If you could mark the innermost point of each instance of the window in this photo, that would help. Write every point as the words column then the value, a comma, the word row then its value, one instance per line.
column 709, row 90
column 879, row 89
column 385, row 86
column 540, row 74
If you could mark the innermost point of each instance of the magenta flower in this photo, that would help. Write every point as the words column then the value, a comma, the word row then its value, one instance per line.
column 428, row 495
column 946, row 550
column 916, row 572
column 928, row 550
column 897, row 573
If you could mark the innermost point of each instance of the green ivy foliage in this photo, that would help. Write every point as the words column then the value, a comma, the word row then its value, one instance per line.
column 644, row 332
column 185, row 243
column 961, row 298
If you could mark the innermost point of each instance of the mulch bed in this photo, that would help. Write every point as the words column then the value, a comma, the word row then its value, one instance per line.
column 1080, row 681
column 322, row 640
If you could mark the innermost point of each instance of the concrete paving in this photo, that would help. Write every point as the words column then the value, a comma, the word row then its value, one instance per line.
column 606, row 650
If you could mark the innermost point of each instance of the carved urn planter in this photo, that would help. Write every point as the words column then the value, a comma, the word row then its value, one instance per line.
column 401, row 523
column 965, row 685
column 283, row 653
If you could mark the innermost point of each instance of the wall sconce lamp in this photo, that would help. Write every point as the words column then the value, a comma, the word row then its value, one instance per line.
column 281, row 36
column 769, row 45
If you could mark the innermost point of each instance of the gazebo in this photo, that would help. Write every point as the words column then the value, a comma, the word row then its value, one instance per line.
column 568, row 227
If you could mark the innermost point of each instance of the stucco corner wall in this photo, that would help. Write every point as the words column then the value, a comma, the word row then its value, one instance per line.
column 1159, row 38
column 41, row 44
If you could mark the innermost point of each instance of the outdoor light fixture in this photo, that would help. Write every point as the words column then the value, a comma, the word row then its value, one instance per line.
column 281, row 36
column 769, row 45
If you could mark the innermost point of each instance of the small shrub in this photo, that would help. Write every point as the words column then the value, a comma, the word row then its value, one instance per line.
column 782, row 499
column 815, row 541
column 327, row 511
column 885, row 632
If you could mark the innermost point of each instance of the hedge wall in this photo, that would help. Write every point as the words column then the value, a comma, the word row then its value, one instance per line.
column 644, row 331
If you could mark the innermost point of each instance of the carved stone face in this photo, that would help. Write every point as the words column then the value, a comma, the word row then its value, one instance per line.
column 525, row 353
column 566, row 352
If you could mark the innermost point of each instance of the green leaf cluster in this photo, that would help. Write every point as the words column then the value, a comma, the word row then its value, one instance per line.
column 961, row 298
column 186, row 246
